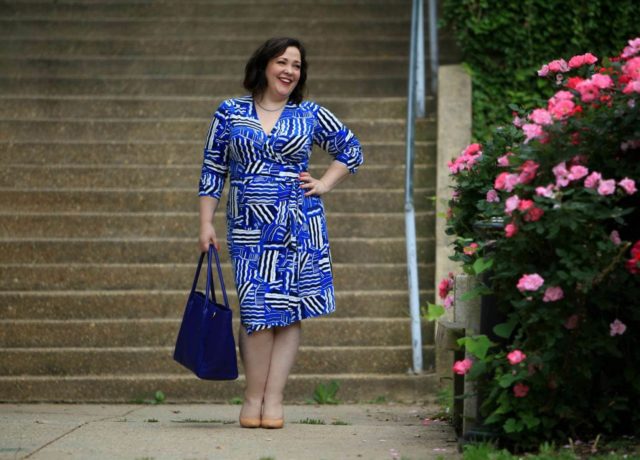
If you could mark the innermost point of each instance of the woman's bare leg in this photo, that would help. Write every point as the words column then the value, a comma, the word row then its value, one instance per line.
column 255, row 351
column 286, row 341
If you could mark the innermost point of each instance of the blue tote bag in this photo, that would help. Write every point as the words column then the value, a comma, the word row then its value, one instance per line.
column 205, row 343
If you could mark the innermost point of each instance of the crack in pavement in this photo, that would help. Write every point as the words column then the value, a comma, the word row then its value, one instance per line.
column 78, row 427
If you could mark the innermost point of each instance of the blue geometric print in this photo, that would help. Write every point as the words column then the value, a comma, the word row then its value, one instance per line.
column 277, row 237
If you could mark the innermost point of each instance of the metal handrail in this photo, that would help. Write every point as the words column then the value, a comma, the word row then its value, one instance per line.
column 416, row 101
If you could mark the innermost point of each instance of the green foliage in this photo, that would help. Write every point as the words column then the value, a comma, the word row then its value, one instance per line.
column 578, row 379
column 236, row 400
column 504, row 43
column 326, row 394
column 312, row 421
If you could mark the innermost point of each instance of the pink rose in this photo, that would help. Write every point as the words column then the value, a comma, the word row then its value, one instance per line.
column 541, row 117
column 462, row 367
column 615, row 237
column 530, row 282
column 448, row 302
column 632, row 87
column 445, row 286
column 492, row 196
column 510, row 230
column 516, row 357
column 588, row 91
column 531, row 131
column 546, row 192
column 505, row 181
column 632, row 68
column 617, row 328
column 525, row 205
column 602, row 81
column 471, row 249
column 607, row 187
column 553, row 294
column 528, row 171
column 583, row 59
column 562, row 109
column 633, row 48
column 593, row 180
column 628, row 185
column 504, row 159
column 562, row 174
column 517, row 121
column 544, row 71
column 558, row 65
column 533, row 214
column 577, row 172
column 520, row 390
column 511, row 204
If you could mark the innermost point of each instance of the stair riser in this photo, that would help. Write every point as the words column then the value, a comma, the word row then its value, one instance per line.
column 339, row 200
column 169, row 304
column 302, row 11
column 315, row 332
column 206, row 66
column 158, row 130
column 185, row 388
column 126, row 225
column 136, row 177
column 214, row 88
column 62, row 362
column 168, row 153
column 169, row 276
column 60, row 107
column 342, row 250
column 198, row 28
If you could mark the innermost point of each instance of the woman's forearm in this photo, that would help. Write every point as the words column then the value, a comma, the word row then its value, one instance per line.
column 335, row 173
column 208, row 206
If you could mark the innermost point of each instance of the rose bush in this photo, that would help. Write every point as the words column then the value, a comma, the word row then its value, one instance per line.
column 550, row 206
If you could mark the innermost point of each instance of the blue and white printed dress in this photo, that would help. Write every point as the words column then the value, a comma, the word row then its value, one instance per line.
column 277, row 237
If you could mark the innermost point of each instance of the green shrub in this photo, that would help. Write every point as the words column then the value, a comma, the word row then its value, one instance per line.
column 504, row 42
column 565, row 261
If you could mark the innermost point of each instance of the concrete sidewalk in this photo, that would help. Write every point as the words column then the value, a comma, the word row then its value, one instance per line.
column 211, row 431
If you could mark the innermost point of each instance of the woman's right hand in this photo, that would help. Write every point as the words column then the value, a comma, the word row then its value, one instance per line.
column 207, row 237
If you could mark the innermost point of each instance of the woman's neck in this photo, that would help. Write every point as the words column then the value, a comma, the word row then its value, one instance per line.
column 269, row 100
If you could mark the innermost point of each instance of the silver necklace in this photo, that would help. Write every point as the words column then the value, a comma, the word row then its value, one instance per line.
column 270, row 110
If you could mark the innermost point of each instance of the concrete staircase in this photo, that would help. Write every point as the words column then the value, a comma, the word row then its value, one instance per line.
column 104, row 106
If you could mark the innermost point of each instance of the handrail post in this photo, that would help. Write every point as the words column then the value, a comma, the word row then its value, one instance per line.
column 410, row 223
column 433, row 44
column 420, row 68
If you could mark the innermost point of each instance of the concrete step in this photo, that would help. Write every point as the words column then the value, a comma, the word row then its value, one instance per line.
column 203, row 45
column 114, row 304
column 185, row 225
column 203, row 27
column 159, row 360
column 34, row 107
column 215, row 87
column 140, row 176
column 238, row 12
column 163, row 332
column 181, row 200
column 367, row 130
column 70, row 152
column 67, row 276
column 172, row 250
column 105, row 388
column 100, row 66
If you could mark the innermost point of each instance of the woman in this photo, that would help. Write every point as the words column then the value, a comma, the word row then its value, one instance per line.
column 276, row 228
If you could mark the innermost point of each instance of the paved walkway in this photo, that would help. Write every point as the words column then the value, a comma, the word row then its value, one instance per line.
column 210, row 431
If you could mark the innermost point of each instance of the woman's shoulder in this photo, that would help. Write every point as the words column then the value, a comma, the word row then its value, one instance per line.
column 235, row 105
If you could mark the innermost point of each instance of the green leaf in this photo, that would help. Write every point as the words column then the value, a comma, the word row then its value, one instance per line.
column 513, row 426
column 475, row 292
column 506, row 380
column 504, row 330
column 530, row 420
column 477, row 345
column 481, row 265
column 434, row 311
column 479, row 368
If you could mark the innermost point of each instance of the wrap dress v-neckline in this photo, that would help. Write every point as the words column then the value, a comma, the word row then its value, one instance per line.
column 277, row 237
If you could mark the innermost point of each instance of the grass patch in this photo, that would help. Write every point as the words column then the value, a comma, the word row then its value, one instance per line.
column 236, row 401
column 195, row 420
column 312, row 421
column 340, row 422
column 326, row 394
column 382, row 399
column 627, row 449
column 152, row 420
column 158, row 398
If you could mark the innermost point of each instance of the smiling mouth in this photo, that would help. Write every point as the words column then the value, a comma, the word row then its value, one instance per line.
column 286, row 81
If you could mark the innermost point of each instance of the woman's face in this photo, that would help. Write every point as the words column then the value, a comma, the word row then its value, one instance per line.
column 283, row 73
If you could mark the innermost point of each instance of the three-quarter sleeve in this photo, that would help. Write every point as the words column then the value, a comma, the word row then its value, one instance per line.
column 215, row 165
column 334, row 137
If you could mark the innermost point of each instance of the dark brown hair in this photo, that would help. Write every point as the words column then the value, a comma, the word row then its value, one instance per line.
column 254, row 72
